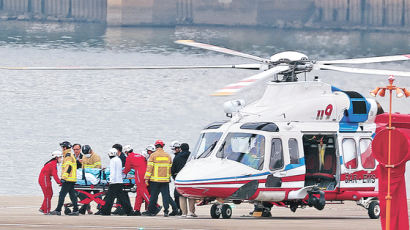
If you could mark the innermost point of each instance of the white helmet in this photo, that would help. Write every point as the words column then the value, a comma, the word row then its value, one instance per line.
column 127, row 148
column 175, row 144
column 112, row 152
column 145, row 154
column 57, row 153
column 150, row 148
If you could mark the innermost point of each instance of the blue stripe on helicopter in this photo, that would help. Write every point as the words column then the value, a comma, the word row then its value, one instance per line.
column 350, row 121
column 335, row 89
column 341, row 160
column 226, row 178
column 292, row 166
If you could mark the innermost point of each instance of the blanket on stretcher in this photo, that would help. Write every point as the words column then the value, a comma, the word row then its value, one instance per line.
column 93, row 176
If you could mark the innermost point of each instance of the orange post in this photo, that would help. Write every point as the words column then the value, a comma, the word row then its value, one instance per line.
column 388, row 197
column 399, row 93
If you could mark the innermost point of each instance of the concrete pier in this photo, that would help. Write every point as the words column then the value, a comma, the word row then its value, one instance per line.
column 360, row 14
column 272, row 13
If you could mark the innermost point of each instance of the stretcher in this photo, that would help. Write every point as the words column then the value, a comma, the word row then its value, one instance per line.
column 93, row 184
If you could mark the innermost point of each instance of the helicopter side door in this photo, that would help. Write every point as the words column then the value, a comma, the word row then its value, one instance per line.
column 358, row 165
column 284, row 161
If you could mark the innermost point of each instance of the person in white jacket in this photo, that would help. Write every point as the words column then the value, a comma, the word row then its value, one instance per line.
column 115, row 189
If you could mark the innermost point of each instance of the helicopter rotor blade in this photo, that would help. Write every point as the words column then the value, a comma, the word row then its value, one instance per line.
column 404, row 57
column 240, row 66
column 234, row 88
column 363, row 71
column 221, row 50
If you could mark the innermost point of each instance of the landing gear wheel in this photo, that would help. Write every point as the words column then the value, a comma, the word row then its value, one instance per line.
column 215, row 211
column 226, row 211
column 67, row 210
column 266, row 213
column 374, row 210
column 293, row 207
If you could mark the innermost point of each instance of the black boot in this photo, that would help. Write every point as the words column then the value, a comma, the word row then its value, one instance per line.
column 137, row 213
column 119, row 211
column 173, row 213
column 83, row 209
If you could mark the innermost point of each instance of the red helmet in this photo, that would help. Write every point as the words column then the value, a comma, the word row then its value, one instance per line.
column 159, row 142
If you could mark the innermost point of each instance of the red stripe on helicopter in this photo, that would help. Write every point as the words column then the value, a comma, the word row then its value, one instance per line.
column 407, row 55
column 206, row 192
column 284, row 179
column 218, row 183
column 341, row 194
column 234, row 87
column 294, row 178
column 248, row 80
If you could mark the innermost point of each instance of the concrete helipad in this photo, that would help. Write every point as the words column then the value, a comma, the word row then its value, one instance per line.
column 21, row 212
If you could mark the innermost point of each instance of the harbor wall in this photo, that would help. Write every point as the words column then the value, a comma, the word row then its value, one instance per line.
column 378, row 14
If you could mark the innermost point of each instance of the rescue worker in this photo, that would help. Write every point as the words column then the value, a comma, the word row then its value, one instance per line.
column 68, row 179
column 176, row 149
column 179, row 163
column 116, row 186
column 139, row 164
column 44, row 179
column 158, row 176
column 77, row 154
column 150, row 149
column 123, row 158
column 119, row 210
column 90, row 160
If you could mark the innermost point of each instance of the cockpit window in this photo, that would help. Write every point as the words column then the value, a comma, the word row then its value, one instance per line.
column 205, row 145
column 245, row 148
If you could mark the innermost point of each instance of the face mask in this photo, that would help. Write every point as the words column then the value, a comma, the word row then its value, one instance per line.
column 87, row 155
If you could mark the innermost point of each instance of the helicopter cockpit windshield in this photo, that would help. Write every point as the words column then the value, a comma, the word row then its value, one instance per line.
column 205, row 145
column 245, row 148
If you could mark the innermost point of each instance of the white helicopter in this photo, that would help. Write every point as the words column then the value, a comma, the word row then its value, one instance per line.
column 304, row 143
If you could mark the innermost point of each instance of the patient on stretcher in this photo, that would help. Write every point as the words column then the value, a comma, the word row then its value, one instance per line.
column 95, row 176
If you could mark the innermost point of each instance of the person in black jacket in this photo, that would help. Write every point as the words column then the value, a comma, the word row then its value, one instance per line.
column 123, row 157
column 77, row 154
column 176, row 149
column 179, row 162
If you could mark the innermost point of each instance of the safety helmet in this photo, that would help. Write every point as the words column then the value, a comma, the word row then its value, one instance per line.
column 112, row 152
column 175, row 144
column 65, row 144
column 127, row 148
column 145, row 154
column 150, row 148
column 86, row 149
column 159, row 142
column 57, row 153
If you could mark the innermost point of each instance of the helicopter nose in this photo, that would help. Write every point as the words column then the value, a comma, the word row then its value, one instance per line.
column 218, row 178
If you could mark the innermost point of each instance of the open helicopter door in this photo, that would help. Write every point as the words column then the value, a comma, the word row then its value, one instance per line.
column 321, row 160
